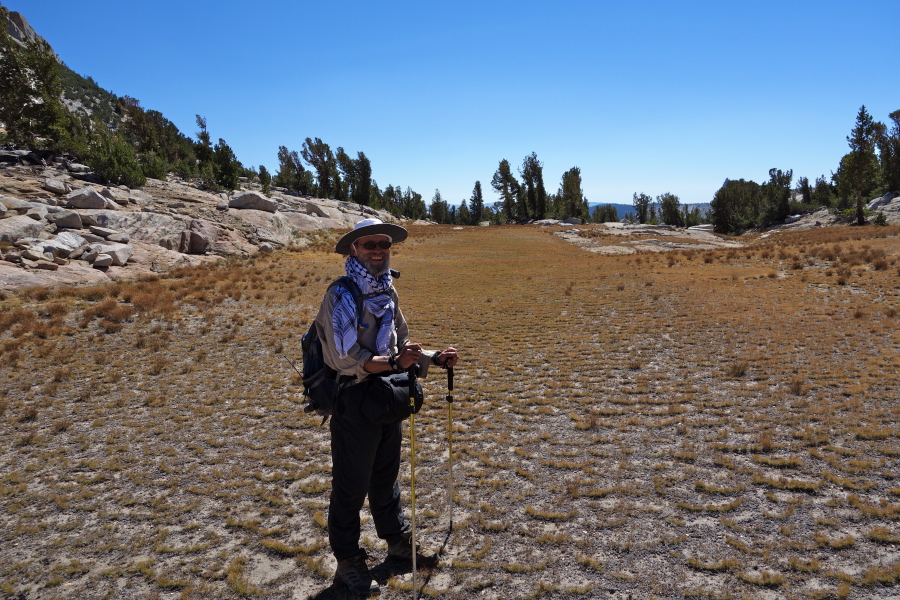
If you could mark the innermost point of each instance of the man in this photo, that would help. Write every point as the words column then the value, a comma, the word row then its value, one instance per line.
column 366, row 455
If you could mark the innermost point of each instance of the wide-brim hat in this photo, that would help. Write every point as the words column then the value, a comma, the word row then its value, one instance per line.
column 370, row 227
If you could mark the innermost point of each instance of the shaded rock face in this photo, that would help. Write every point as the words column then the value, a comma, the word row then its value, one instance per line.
column 199, row 238
column 202, row 237
column 20, row 29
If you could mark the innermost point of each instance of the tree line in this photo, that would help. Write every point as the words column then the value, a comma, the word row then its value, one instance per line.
column 667, row 209
column 522, row 199
column 870, row 169
column 125, row 143
column 336, row 174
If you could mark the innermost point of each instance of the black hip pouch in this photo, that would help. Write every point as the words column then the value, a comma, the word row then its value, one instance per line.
column 385, row 398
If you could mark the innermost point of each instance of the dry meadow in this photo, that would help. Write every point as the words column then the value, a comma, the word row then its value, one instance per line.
column 688, row 424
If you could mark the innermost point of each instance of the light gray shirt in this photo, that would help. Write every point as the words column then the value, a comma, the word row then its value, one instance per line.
column 365, row 347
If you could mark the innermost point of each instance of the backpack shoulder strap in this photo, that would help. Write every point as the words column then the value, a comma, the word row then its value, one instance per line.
column 346, row 282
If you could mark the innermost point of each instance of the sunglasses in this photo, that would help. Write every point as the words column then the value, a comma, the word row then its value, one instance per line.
column 384, row 245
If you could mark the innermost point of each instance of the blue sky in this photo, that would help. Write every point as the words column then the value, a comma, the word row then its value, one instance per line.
column 644, row 96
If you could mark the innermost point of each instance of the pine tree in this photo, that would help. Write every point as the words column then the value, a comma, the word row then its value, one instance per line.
column 357, row 175
column 532, row 172
column 476, row 203
column 889, row 146
column 438, row 208
column 804, row 190
column 319, row 156
column 736, row 206
column 822, row 193
column 571, row 198
column 641, row 203
column 505, row 184
column 265, row 179
column 464, row 216
column 860, row 166
column 777, row 196
column 292, row 174
column 226, row 166
column 670, row 213
column 30, row 91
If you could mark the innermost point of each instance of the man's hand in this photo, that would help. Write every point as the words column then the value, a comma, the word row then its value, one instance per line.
column 447, row 358
column 409, row 355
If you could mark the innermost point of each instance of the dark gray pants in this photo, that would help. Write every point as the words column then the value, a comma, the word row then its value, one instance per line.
column 365, row 459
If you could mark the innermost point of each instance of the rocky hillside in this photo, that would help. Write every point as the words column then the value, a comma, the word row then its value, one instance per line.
column 20, row 29
column 58, row 227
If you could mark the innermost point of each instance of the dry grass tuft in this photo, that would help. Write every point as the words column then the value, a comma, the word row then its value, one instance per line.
column 727, row 418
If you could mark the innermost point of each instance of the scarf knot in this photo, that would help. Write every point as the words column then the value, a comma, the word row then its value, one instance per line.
column 377, row 300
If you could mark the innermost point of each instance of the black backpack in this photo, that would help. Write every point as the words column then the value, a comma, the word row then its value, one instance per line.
column 320, row 382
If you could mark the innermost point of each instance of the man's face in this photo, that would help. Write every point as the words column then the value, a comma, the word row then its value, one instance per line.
column 377, row 260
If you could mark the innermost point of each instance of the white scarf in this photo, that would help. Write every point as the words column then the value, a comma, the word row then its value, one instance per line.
column 378, row 301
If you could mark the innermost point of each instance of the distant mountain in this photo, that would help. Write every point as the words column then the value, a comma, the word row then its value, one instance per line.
column 703, row 206
column 626, row 209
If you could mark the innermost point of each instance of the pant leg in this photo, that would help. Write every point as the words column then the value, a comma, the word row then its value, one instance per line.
column 384, row 489
column 354, row 444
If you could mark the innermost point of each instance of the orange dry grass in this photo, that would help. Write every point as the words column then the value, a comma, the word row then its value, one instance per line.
column 690, row 427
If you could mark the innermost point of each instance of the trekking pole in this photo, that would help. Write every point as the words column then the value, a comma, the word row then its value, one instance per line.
column 413, row 371
column 450, row 436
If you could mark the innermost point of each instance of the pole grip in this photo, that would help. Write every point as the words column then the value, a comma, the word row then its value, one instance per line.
column 450, row 378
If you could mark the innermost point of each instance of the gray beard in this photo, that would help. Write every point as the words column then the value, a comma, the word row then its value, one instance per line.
column 378, row 271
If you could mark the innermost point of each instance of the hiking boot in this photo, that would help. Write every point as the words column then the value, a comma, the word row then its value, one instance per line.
column 354, row 574
column 401, row 549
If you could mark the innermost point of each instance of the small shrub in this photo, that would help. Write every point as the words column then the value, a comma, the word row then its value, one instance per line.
column 61, row 425
column 764, row 579
column 28, row 414
column 113, row 161
column 883, row 535
column 738, row 369
column 236, row 579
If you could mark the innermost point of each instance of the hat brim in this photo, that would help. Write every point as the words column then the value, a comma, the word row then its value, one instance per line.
column 395, row 232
